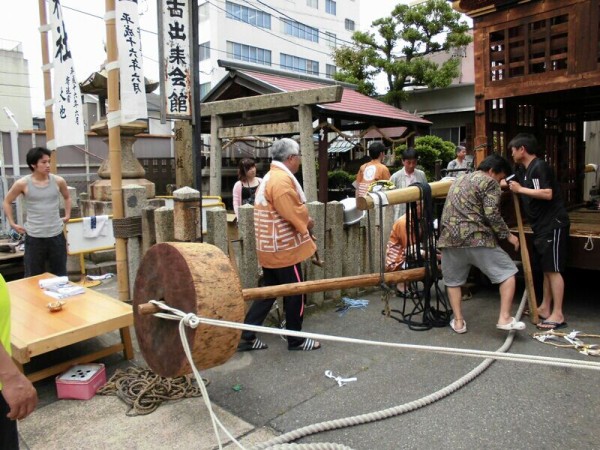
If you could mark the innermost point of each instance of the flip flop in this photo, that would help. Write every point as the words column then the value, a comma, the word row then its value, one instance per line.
column 550, row 325
column 247, row 346
column 308, row 345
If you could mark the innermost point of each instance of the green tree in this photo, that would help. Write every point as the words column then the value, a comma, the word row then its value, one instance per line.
column 399, row 49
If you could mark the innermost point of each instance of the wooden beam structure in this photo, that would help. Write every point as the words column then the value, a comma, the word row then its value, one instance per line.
column 269, row 129
column 329, row 94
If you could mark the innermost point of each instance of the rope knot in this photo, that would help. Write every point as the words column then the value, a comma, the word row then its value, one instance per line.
column 191, row 320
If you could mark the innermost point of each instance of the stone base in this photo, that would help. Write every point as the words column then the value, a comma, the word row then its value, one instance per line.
column 101, row 190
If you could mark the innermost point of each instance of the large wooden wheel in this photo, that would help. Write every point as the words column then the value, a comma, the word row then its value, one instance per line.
column 191, row 277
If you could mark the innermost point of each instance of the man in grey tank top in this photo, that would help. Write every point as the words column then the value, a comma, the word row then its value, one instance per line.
column 44, row 240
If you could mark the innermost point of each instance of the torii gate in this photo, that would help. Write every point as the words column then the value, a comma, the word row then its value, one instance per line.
column 301, row 100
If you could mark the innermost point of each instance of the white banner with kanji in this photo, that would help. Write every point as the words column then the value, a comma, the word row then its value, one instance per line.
column 66, row 108
column 129, row 45
column 175, row 59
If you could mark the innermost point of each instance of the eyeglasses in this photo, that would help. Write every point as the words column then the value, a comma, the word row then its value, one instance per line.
column 298, row 154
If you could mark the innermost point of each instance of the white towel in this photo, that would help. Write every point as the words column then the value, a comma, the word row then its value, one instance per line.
column 95, row 226
column 48, row 283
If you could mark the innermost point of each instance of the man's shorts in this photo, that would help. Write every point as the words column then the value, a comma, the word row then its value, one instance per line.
column 550, row 250
column 493, row 262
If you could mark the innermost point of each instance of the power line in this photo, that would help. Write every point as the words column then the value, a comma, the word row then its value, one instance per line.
column 297, row 21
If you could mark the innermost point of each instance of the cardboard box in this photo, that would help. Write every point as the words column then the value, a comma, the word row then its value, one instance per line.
column 81, row 382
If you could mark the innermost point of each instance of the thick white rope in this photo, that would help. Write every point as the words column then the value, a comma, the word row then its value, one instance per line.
column 280, row 442
column 532, row 359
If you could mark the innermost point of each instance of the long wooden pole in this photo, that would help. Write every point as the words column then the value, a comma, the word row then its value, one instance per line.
column 47, row 81
column 533, row 313
column 307, row 287
column 114, row 149
column 405, row 195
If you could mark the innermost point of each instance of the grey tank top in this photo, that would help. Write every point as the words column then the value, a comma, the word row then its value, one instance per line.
column 42, row 207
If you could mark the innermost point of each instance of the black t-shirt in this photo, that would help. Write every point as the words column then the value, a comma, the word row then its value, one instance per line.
column 543, row 215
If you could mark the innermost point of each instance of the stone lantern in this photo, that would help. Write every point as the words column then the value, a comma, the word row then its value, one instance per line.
column 132, row 171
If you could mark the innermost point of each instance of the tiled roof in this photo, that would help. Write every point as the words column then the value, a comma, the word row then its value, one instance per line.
column 353, row 103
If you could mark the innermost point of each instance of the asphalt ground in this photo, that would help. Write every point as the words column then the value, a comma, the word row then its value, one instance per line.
column 271, row 392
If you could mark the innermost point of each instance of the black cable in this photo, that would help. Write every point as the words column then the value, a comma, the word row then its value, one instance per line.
column 423, row 253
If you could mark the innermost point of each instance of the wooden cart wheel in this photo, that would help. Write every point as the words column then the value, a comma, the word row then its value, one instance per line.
column 195, row 278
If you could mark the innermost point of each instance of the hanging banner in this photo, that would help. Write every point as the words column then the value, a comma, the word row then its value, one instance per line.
column 66, row 108
column 129, row 45
column 174, row 34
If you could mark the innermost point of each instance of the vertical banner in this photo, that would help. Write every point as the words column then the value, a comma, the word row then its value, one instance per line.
column 175, row 59
column 129, row 45
column 66, row 108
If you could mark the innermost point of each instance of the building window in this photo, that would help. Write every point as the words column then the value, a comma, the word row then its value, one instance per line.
column 349, row 25
column 299, row 30
column 297, row 64
column 248, row 53
column 331, row 39
column 204, row 88
column 203, row 12
column 330, row 7
column 330, row 71
column 205, row 51
column 248, row 15
column 312, row 3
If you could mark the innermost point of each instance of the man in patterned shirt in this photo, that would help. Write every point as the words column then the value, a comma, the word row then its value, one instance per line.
column 471, row 225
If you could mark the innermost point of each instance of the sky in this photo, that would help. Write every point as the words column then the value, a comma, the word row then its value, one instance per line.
column 87, row 34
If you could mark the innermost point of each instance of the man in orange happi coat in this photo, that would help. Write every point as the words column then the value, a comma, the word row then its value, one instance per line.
column 282, row 229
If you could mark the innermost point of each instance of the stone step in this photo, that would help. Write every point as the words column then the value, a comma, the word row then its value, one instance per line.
column 102, row 256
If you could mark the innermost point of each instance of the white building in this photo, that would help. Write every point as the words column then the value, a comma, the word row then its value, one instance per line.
column 294, row 35
column 14, row 86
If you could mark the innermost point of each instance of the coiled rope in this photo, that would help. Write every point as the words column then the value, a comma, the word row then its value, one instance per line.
column 144, row 391
column 190, row 319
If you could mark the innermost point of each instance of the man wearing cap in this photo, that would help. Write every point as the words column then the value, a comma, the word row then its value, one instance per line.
column 282, row 229
column 372, row 171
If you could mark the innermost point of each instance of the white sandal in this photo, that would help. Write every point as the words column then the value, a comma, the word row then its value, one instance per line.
column 458, row 330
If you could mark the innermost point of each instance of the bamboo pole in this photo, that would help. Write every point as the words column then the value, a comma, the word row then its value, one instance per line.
column 533, row 314
column 405, row 195
column 307, row 287
column 114, row 150
column 47, row 82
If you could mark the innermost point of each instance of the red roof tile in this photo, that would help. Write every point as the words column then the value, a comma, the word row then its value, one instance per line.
column 352, row 102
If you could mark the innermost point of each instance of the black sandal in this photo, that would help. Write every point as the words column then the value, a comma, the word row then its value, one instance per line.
column 247, row 346
column 306, row 346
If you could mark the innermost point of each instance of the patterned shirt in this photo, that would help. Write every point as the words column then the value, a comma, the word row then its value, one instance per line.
column 471, row 216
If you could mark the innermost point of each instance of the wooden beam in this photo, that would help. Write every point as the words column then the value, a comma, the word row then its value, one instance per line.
column 329, row 94
column 269, row 129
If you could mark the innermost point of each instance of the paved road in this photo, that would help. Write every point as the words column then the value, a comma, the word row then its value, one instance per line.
column 510, row 405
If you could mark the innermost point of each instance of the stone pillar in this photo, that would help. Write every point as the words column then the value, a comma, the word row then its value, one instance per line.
column 163, row 222
column 314, row 272
column 353, row 254
column 216, row 153
column 148, row 223
column 216, row 226
column 334, row 244
column 134, row 200
column 186, row 214
column 184, row 174
column 307, row 149
column 248, row 259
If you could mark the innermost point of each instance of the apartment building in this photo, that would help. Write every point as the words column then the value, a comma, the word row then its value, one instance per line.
column 14, row 86
column 291, row 35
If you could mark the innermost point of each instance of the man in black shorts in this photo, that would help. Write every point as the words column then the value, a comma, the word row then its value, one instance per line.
column 545, row 209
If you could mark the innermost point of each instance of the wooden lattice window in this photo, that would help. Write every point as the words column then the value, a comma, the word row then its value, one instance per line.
column 536, row 47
